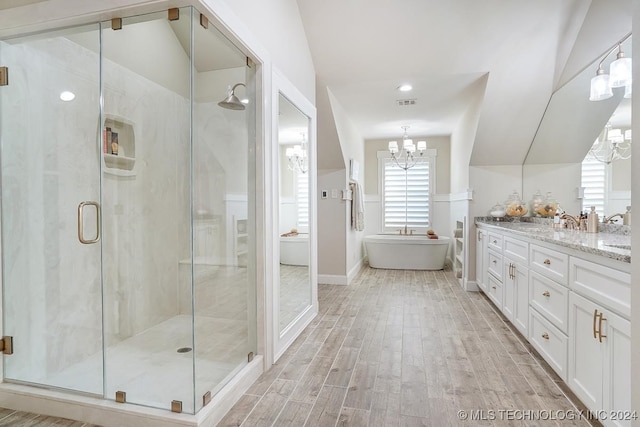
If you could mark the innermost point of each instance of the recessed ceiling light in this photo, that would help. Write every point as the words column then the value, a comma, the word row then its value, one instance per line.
column 405, row 87
column 67, row 96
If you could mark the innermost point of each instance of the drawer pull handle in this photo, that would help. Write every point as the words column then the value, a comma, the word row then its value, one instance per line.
column 493, row 287
column 547, row 261
column 546, row 294
column 545, row 336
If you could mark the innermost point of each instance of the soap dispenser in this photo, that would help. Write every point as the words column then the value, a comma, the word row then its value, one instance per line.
column 592, row 221
column 626, row 218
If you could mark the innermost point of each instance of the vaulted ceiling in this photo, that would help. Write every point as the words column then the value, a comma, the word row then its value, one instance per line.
column 363, row 50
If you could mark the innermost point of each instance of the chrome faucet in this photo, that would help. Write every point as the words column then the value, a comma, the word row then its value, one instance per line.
column 609, row 219
column 573, row 222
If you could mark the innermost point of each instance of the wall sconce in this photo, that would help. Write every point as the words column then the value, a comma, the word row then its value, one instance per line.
column 619, row 75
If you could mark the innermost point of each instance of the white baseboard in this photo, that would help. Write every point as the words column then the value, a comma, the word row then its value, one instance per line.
column 355, row 270
column 332, row 279
column 471, row 286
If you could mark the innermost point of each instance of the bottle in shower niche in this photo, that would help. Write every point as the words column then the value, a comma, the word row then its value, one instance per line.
column 592, row 221
column 114, row 143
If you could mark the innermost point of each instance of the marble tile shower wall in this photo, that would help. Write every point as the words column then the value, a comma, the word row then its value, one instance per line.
column 146, row 217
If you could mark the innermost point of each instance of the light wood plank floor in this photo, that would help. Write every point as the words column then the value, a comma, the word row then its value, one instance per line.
column 398, row 348
column 407, row 348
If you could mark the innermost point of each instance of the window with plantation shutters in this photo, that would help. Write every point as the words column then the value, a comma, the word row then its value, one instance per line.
column 594, row 182
column 406, row 195
column 302, row 201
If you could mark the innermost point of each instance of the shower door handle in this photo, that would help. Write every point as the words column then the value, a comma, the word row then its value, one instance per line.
column 81, row 223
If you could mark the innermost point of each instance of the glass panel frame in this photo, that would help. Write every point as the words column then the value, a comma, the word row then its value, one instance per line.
column 50, row 165
column 148, row 320
column 283, row 335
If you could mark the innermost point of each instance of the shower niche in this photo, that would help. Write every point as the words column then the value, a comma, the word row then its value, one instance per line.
column 118, row 146
column 120, row 282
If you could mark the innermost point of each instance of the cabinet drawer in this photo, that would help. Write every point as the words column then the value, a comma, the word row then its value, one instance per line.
column 516, row 250
column 550, row 263
column 494, row 265
column 610, row 287
column 550, row 342
column 495, row 241
column 494, row 291
column 550, row 299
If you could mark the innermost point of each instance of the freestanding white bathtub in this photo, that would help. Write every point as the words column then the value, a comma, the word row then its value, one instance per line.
column 294, row 250
column 414, row 252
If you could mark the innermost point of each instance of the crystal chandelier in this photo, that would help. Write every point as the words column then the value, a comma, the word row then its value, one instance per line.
column 405, row 158
column 298, row 159
column 613, row 145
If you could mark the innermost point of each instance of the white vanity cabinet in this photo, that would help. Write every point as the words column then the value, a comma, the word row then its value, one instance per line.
column 515, row 286
column 573, row 307
column 599, row 338
column 481, row 254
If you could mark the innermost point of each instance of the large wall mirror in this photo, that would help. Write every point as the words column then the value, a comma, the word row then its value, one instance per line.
column 565, row 137
column 295, row 300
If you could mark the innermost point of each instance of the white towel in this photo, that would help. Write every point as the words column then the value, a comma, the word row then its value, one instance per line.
column 357, row 207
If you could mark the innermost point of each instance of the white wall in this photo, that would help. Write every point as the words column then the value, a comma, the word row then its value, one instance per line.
column 463, row 137
column 491, row 185
column 332, row 223
column 635, row 230
column 278, row 26
column 352, row 145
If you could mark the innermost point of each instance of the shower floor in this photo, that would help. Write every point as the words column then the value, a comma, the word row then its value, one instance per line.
column 149, row 369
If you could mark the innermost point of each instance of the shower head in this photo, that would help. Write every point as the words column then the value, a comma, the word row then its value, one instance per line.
column 232, row 102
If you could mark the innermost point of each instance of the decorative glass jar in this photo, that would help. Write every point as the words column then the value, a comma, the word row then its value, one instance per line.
column 515, row 206
column 549, row 207
column 498, row 211
column 536, row 202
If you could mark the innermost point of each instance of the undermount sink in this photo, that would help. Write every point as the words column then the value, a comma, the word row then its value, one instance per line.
column 627, row 247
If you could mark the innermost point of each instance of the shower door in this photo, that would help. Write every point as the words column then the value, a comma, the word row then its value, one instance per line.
column 49, row 115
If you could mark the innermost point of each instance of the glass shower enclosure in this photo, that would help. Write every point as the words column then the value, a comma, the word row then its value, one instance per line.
column 128, row 210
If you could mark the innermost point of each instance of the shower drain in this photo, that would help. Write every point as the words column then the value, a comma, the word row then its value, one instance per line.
column 184, row 349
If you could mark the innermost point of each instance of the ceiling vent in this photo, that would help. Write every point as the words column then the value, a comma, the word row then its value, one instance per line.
column 404, row 102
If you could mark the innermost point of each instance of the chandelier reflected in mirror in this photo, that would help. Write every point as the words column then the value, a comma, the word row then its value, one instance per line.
column 298, row 158
column 405, row 157
column 612, row 145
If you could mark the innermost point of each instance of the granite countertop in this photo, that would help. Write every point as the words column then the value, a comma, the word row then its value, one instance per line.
column 612, row 243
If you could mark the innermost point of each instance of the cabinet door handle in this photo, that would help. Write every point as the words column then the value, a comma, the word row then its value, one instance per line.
column 546, row 294
column 547, row 261
column 595, row 318
column 545, row 336
column 479, row 236
column 493, row 287
column 600, row 335
column 495, row 262
column 495, row 242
